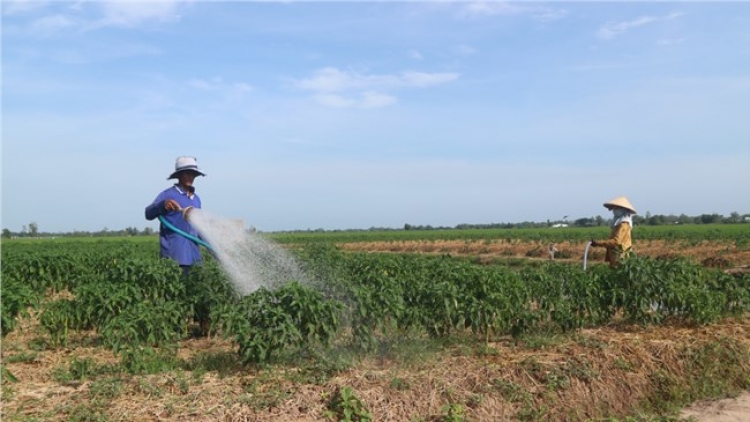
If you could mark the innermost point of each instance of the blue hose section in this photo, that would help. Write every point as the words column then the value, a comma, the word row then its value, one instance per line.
column 188, row 236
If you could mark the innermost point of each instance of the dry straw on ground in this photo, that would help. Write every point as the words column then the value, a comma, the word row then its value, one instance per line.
column 726, row 255
column 590, row 374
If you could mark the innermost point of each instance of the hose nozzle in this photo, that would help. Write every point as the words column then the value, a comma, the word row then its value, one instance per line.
column 186, row 211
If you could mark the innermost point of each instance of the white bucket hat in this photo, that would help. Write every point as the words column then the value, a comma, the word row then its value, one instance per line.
column 621, row 202
column 185, row 163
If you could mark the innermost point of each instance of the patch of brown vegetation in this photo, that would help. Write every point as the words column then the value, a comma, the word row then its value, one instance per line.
column 711, row 253
column 594, row 373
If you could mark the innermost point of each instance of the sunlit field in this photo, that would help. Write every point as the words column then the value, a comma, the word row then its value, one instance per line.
column 388, row 325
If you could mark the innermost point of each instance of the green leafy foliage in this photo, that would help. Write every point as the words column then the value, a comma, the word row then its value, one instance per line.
column 207, row 288
column 267, row 322
column 17, row 297
column 135, row 300
column 152, row 323
column 137, row 359
column 452, row 412
column 345, row 406
column 60, row 317
column 653, row 290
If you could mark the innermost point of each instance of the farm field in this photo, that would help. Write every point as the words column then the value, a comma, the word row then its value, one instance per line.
column 725, row 246
column 715, row 254
column 433, row 330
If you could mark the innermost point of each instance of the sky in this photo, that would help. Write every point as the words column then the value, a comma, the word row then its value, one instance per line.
column 354, row 115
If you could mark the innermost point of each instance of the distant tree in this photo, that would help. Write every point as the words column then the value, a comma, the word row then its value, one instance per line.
column 33, row 229
column 671, row 219
column 710, row 218
column 684, row 219
column 6, row 234
column 655, row 220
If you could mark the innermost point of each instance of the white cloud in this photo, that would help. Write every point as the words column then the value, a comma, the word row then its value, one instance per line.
column 242, row 87
column 612, row 30
column 372, row 99
column 368, row 99
column 421, row 79
column 416, row 55
column 479, row 9
column 201, row 84
column 667, row 42
column 465, row 50
column 19, row 7
column 337, row 88
column 330, row 79
column 546, row 14
column 50, row 24
column 131, row 13
column 489, row 8
column 41, row 18
column 218, row 84
column 334, row 100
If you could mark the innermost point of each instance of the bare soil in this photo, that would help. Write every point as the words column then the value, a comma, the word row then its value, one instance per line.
column 735, row 409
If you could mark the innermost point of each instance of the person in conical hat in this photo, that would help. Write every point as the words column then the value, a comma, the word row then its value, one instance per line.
column 174, row 204
column 619, row 241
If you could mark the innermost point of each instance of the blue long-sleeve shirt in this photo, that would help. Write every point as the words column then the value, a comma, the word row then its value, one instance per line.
column 173, row 245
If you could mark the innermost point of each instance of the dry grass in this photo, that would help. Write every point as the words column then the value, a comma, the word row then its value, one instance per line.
column 710, row 253
column 590, row 374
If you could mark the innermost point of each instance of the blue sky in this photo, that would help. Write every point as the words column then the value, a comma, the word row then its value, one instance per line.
column 343, row 115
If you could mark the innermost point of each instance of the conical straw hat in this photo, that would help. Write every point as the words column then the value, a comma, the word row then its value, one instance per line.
column 621, row 202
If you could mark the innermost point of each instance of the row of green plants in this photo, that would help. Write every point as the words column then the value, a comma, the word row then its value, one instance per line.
column 731, row 233
column 137, row 303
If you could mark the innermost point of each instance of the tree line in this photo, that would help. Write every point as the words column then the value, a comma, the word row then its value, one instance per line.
column 32, row 229
column 598, row 221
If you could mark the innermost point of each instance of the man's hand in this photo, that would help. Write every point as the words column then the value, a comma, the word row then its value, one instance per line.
column 172, row 205
column 594, row 243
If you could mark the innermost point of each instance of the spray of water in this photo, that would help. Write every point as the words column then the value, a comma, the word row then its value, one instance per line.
column 250, row 260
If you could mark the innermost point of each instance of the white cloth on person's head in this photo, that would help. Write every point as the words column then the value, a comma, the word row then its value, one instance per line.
column 622, row 216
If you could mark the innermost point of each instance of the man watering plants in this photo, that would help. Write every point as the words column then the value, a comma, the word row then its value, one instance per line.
column 173, row 206
column 619, row 241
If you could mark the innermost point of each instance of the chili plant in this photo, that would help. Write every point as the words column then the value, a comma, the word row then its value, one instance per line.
column 267, row 322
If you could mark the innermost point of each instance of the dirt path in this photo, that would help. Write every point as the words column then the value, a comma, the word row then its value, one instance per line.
column 726, row 410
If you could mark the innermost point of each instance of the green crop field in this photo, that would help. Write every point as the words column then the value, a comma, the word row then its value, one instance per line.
column 117, row 296
column 733, row 232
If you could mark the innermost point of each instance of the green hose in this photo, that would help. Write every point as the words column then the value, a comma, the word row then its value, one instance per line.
column 188, row 236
